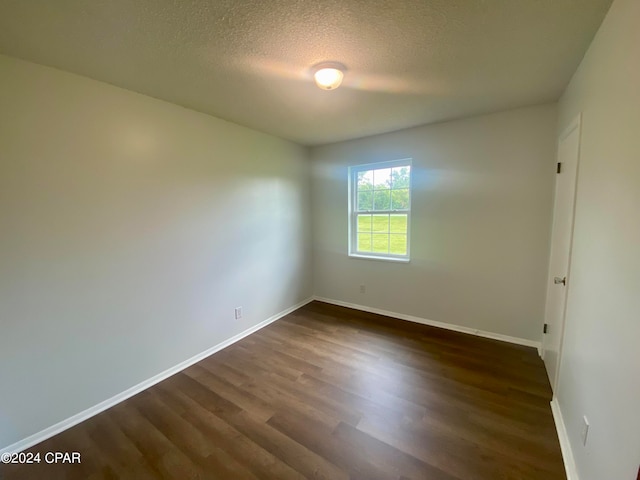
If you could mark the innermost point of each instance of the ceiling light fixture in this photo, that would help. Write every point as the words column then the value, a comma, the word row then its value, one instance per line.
column 328, row 76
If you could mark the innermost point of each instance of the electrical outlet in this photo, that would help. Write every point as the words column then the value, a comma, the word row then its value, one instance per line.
column 585, row 430
column 238, row 313
column 363, row 289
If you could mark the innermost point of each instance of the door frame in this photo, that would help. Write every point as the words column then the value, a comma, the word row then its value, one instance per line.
column 575, row 123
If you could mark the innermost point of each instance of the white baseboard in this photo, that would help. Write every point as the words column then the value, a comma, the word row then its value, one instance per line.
column 565, row 446
column 433, row 323
column 59, row 427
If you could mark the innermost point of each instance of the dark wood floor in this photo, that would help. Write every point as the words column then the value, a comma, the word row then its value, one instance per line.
column 329, row 393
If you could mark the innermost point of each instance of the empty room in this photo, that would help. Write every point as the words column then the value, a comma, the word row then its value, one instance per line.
column 320, row 239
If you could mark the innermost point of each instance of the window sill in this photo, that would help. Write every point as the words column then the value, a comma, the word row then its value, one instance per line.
column 384, row 259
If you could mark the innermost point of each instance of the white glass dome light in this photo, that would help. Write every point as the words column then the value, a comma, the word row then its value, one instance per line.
column 328, row 76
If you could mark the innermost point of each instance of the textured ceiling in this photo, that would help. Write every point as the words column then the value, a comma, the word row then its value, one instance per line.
column 409, row 62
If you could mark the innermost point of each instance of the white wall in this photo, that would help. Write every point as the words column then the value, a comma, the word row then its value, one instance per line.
column 129, row 230
column 600, row 367
column 482, row 204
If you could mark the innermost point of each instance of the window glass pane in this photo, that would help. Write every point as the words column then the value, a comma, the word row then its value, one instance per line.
column 364, row 223
column 398, row 244
column 400, row 177
column 365, row 200
column 380, row 243
column 382, row 178
column 364, row 242
column 398, row 223
column 365, row 179
column 380, row 224
column 400, row 199
column 382, row 199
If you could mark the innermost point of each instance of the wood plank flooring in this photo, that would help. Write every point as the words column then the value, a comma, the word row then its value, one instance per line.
column 329, row 393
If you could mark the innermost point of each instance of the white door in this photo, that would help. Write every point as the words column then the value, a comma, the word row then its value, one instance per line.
column 561, row 235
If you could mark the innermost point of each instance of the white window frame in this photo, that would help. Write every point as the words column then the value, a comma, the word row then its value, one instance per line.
column 353, row 212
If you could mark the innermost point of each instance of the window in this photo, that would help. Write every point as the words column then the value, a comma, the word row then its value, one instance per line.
column 380, row 210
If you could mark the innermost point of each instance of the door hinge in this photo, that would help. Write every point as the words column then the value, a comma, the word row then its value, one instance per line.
column 559, row 167
column 545, row 328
